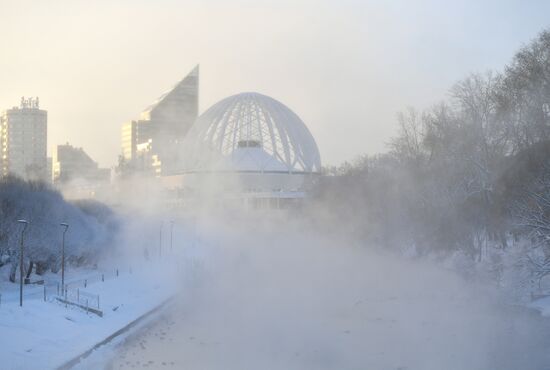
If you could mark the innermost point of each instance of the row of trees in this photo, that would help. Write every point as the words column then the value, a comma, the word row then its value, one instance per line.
column 92, row 227
column 469, row 174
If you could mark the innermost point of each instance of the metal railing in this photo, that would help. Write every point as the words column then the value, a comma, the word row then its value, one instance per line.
column 76, row 292
column 81, row 297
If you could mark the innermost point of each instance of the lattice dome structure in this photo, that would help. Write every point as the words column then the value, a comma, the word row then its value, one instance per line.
column 250, row 132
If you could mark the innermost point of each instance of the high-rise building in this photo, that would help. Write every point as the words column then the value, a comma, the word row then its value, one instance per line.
column 23, row 141
column 70, row 163
column 163, row 125
column 129, row 140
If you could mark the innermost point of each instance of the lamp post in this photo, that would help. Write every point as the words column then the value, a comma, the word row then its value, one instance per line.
column 171, row 232
column 25, row 224
column 65, row 227
column 160, row 239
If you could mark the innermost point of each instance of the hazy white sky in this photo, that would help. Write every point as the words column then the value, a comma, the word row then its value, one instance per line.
column 344, row 66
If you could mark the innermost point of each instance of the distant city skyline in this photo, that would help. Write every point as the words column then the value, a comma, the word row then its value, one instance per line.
column 345, row 68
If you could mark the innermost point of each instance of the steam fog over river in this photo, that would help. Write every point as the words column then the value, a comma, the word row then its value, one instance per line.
column 278, row 298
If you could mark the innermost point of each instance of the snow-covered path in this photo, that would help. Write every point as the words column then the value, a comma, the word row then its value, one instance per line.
column 310, row 305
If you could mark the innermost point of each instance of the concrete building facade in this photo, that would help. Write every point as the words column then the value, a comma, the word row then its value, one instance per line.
column 23, row 141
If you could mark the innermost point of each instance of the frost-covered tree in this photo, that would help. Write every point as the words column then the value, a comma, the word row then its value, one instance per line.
column 463, row 177
column 532, row 212
column 91, row 226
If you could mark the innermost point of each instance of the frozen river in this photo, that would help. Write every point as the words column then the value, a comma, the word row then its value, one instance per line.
column 380, row 341
column 324, row 307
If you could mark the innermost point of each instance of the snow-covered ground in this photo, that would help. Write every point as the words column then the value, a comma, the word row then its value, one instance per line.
column 266, row 297
column 44, row 335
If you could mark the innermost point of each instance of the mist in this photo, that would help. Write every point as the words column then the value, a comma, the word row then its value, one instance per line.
column 273, row 292
column 330, row 185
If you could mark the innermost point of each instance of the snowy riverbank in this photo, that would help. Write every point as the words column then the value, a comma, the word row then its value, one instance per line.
column 46, row 334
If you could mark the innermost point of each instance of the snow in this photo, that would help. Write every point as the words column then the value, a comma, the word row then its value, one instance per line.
column 280, row 298
column 49, row 334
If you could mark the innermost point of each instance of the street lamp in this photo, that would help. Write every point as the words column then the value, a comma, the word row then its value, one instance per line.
column 25, row 223
column 160, row 239
column 171, row 230
column 65, row 227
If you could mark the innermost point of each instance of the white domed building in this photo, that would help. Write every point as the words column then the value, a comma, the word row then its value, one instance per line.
column 250, row 148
